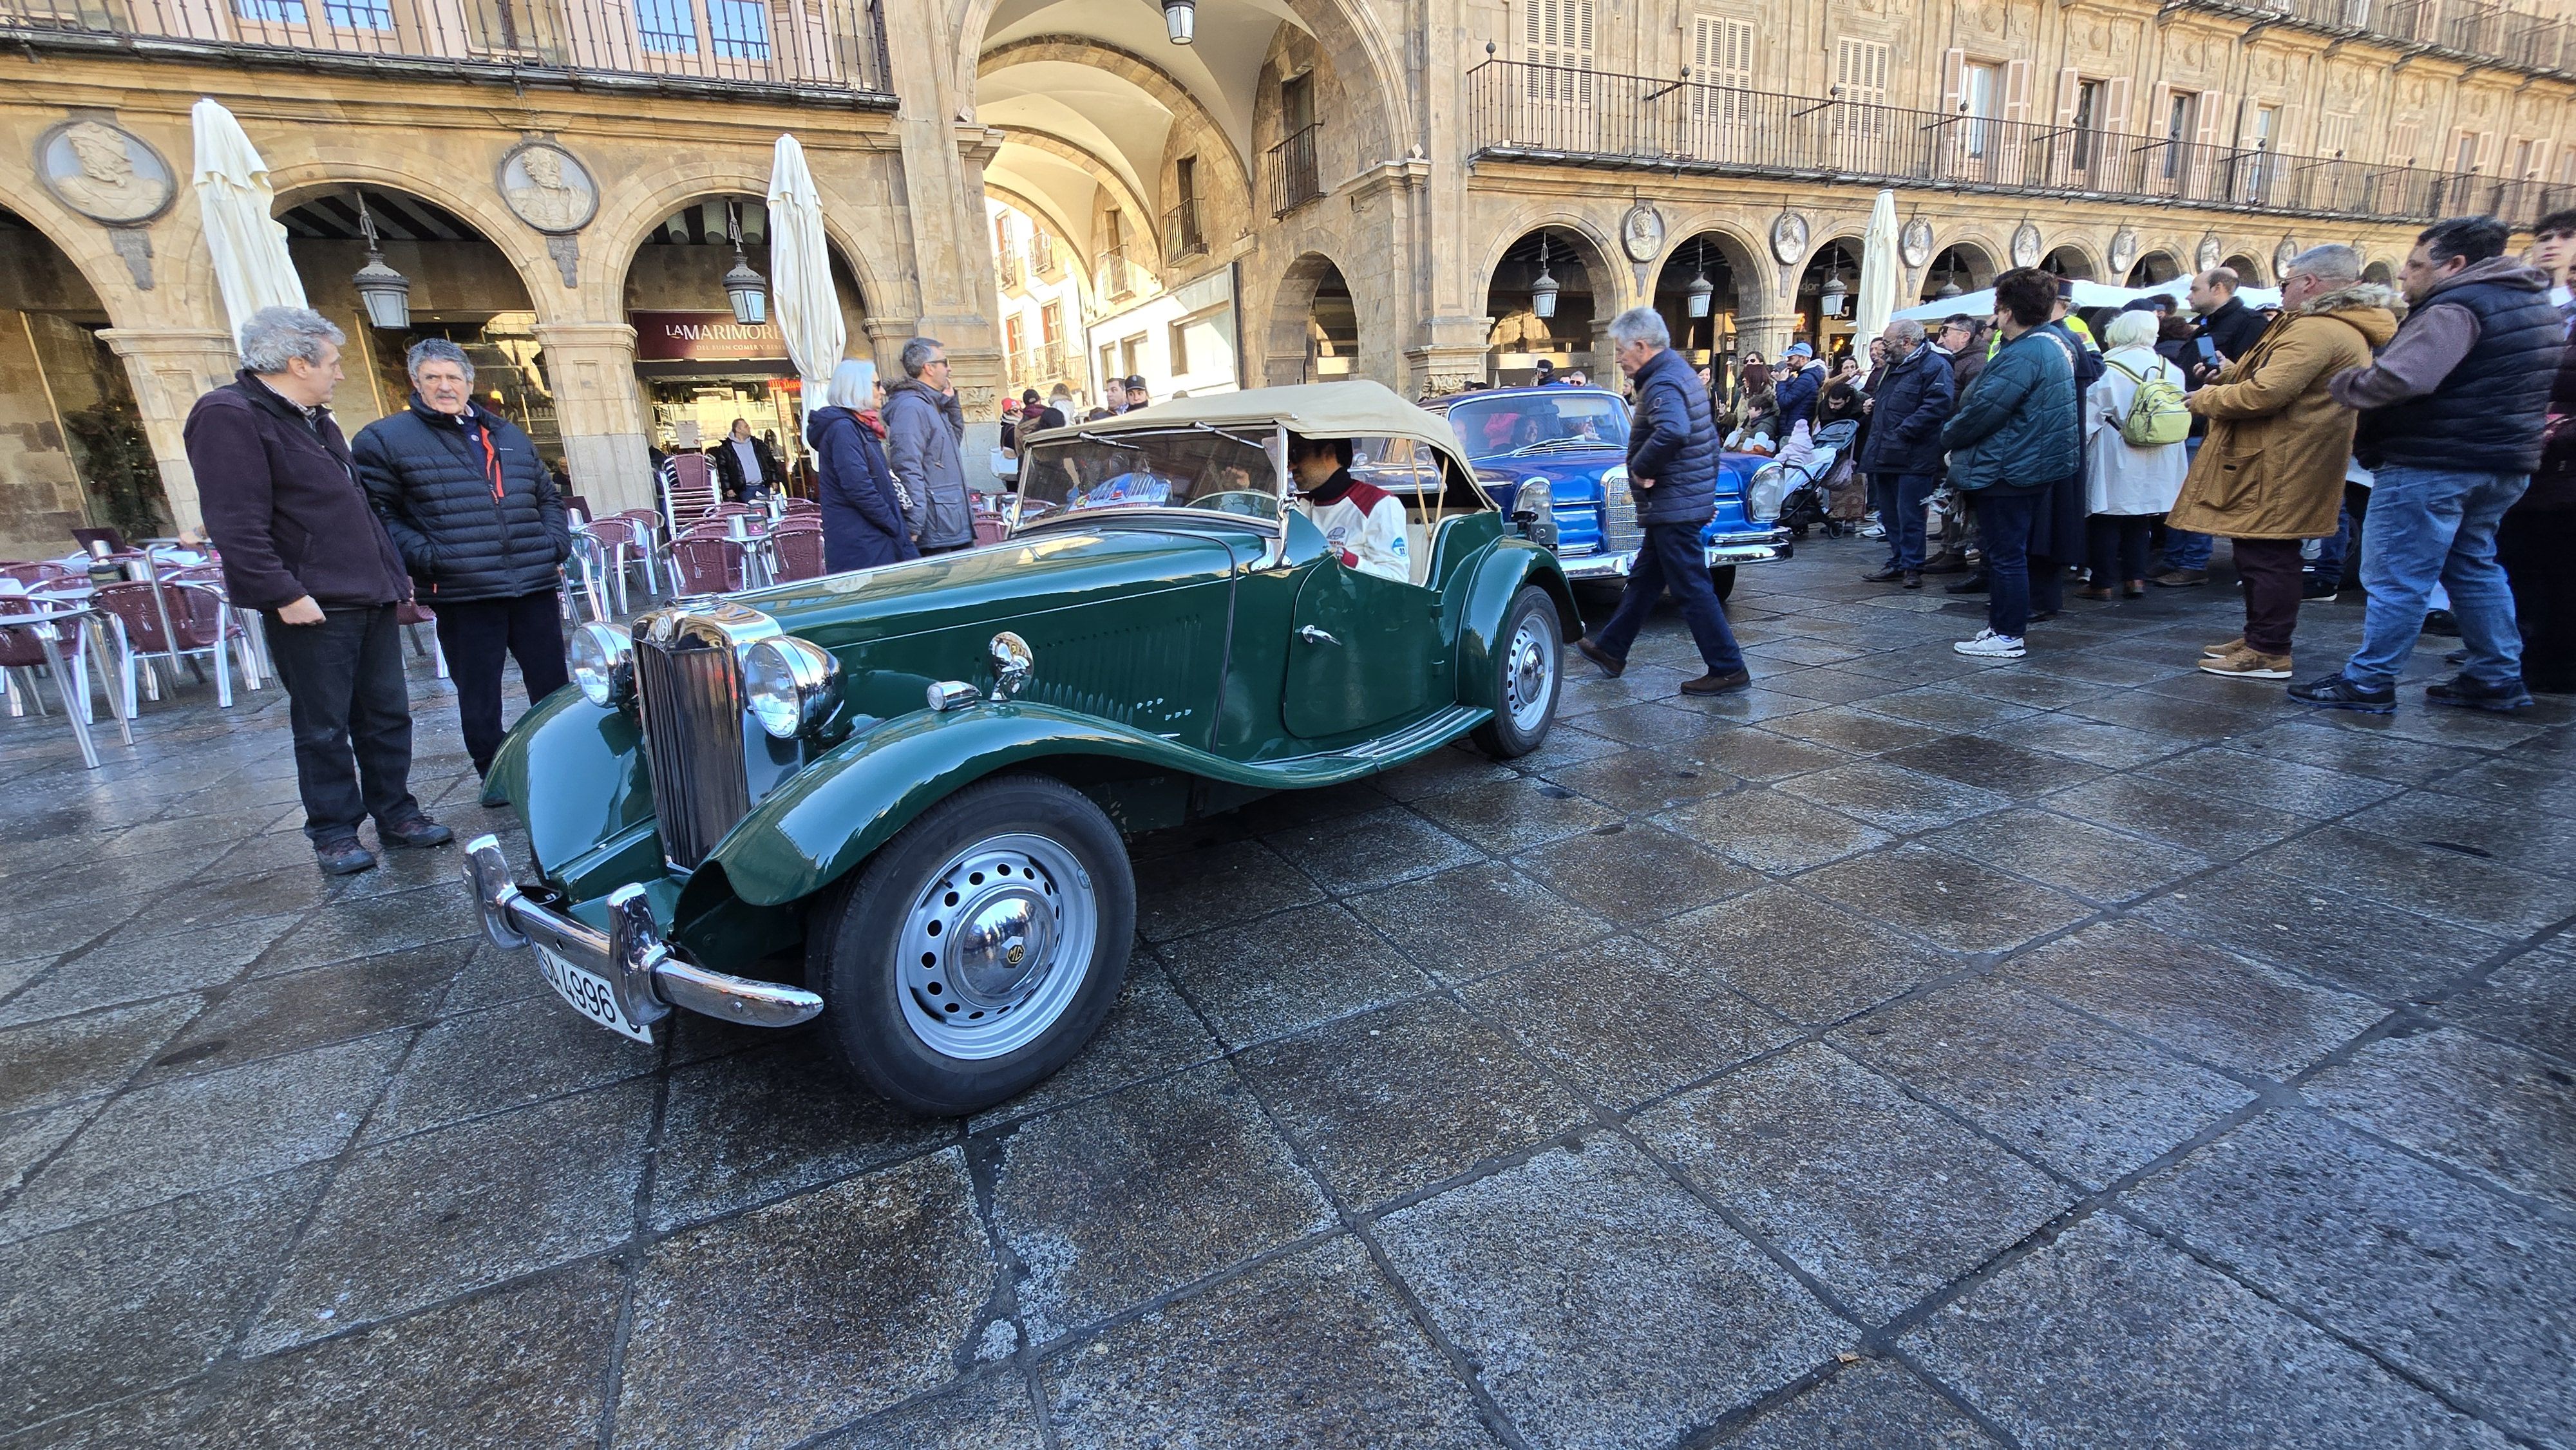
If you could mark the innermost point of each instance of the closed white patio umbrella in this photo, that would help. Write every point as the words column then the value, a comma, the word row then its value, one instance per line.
column 803, row 301
column 246, row 244
column 1879, row 269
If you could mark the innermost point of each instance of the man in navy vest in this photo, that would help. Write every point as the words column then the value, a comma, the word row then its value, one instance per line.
column 2451, row 420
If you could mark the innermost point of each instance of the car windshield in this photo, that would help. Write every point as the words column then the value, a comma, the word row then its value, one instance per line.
column 1197, row 468
column 1556, row 420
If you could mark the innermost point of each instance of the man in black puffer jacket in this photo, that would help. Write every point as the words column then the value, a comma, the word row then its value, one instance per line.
column 481, row 529
column 1672, row 473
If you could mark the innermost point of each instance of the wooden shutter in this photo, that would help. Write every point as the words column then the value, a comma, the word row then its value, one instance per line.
column 1558, row 33
column 1860, row 68
column 2212, row 123
column 1722, row 64
column 2069, row 84
column 2405, row 143
column 2115, row 104
column 1954, row 72
column 2016, row 90
column 2334, row 133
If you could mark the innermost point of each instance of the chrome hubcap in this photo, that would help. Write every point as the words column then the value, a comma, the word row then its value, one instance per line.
column 1529, row 668
column 996, row 946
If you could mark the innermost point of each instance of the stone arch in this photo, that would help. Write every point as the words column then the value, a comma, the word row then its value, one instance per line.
column 1555, row 216
column 87, row 246
column 481, row 209
column 2155, row 266
column 1747, row 255
column 1137, row 71
column 1371, row 62
column 1668, row 291
column 1056, row 222
column 1570, row 243
column 1971, row 263
column 631, row 213
column 2380, row 273
column 1107, row 179
column 2248, row 269
column 2077, row 259
column 1831, row 256
column 1292, row 304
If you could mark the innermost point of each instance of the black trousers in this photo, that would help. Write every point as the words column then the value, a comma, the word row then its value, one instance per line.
column 347, row 699
column 476, row 634
column 2273, row 576
column 2538, row 551
column 2119, row 547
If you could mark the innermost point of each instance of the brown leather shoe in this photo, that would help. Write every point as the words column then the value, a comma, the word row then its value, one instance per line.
column 2093, row 592
column 1717, row 684
column 1610, row 664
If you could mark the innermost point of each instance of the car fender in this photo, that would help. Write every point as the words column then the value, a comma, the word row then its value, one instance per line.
column 834, row 813
column 574, row 773
column 1499, row 577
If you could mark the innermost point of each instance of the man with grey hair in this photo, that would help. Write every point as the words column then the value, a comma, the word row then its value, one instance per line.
column 1672, row 474
column 300, row 544
column 1902, row 456
column 2271, row 475
column 477, row 518
column 925, row 426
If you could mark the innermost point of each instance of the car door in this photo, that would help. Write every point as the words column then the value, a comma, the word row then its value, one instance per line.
column 1363, row 651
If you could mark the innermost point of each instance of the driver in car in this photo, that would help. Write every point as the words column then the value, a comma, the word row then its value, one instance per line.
column 1363, row 523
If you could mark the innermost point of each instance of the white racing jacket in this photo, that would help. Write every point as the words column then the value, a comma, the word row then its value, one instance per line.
column 1363, row 523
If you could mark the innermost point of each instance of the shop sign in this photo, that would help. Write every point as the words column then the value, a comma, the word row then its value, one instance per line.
column 704, row 337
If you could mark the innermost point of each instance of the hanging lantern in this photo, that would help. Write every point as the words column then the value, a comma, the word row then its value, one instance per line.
column 1700, row 290
column 1835, row 295
column 746, row 289
column 1949, row 289
column 384, row 293
column 1181, row 20
column 1543, row 291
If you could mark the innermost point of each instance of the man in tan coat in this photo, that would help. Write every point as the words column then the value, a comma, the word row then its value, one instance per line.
column 2271, row 474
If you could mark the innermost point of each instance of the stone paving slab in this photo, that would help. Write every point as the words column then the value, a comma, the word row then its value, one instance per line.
column 1908, row 1052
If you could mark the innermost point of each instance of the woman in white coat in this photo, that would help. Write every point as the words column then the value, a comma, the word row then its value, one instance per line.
column 2126, row 487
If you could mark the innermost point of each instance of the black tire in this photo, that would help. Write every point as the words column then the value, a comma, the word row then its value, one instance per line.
column 1722, row 579
column 854, row 932
column 1532, row 621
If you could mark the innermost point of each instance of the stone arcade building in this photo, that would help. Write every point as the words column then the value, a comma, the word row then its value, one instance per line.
column 1313, row 188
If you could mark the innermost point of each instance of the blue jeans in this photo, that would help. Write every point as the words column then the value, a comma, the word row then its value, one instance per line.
column 1903, row 516
column 2331, row 548
column 2007, row 522
column 1671, row 556
column 2183, row 548
column 2426, row 527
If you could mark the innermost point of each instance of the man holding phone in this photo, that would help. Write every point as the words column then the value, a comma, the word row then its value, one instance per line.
column 2228, row 330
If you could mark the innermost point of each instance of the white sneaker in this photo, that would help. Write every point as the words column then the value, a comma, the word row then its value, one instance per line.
column 1872, row 531
column 1989, row 645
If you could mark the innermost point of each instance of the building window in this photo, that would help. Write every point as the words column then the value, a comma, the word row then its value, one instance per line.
column 1178, row 347
column 1182, row 235
column 1979, row 86
column 2464, row 152
column 1131, row 356
column 2179, row 113
column 338, row 14
column 1722, row 63
column 1051, row 323
column 1556, row 41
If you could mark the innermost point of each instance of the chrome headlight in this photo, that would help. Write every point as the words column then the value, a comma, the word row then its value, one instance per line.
column 791, row 686
column 1762, row 496
column 603, row 665
column 1535, row 511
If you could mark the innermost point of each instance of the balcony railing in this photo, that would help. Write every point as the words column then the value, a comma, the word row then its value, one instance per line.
column 2472, row 28
column 1042, row 260
column 1654, row 123
column 1006, row 268
column 1043, row 363
column 836, row 46
column 1295, row 178
column 1182, row 235
column 1117, row 274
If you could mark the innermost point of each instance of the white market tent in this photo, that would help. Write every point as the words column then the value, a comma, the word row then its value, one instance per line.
column 2087, row 294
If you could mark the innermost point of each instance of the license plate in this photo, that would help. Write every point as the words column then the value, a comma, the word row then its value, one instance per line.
column 588, row 993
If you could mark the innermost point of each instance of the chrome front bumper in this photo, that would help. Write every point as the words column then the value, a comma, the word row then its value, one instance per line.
column 648, row 975
column 1755, row 548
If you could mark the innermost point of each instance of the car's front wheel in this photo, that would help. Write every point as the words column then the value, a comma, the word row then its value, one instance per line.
column 1528, row 672
column 979, row 949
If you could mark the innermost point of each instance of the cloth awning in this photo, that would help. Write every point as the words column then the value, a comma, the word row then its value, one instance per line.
column 246, row 244
column 1981, row 303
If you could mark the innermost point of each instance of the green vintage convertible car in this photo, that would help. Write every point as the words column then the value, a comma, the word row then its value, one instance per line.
column 895, row 798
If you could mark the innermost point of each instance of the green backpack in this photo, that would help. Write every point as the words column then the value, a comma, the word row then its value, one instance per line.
column 2156, row 414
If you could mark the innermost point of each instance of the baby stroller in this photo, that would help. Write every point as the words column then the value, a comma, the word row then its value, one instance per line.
column 1811, row 477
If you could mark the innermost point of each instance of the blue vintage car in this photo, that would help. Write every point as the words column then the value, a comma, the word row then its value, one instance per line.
column 1569, row 446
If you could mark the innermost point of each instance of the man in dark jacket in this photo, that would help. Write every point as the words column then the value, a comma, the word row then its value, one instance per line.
column 925, row 424
column 482, row 530
column 747, row 468
column 1903, row 458
column 1672, row 473
column 2452, row 414
column 2227, row 330
column 1798, row 382
column 2012, row 443
column 2536, row 542
column 283, row 503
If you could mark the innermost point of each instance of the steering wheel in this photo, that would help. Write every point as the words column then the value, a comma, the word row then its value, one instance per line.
column 1250, row 503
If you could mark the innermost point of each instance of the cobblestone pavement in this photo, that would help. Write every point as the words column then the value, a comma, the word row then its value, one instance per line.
column 2084, row 1052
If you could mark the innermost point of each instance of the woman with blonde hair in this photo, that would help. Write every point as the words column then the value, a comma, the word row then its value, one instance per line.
column 863, row 502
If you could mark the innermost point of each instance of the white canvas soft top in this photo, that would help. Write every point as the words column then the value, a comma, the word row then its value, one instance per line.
column 1353, row 409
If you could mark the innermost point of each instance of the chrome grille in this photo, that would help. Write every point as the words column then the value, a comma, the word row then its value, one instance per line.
column 689, row 694
column 1620, row 533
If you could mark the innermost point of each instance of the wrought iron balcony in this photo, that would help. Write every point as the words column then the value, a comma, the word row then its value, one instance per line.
column 1525, row 112
column 1117, row 274
column 1042, row 258
column 1182, row 234
column 1045, row 362
column 1006, row 268
column 2473, row 29
column 724, row 46
column 1295, row 177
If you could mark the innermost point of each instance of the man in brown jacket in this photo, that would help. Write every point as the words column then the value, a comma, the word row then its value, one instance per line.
column 2271, row 474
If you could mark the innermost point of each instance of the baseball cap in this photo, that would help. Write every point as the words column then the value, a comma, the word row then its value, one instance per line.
column 1798, row 349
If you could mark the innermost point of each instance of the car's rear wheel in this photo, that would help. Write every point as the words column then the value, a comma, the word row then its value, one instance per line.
column 1529, row 670
column 978, row 950
column 1721, row 578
